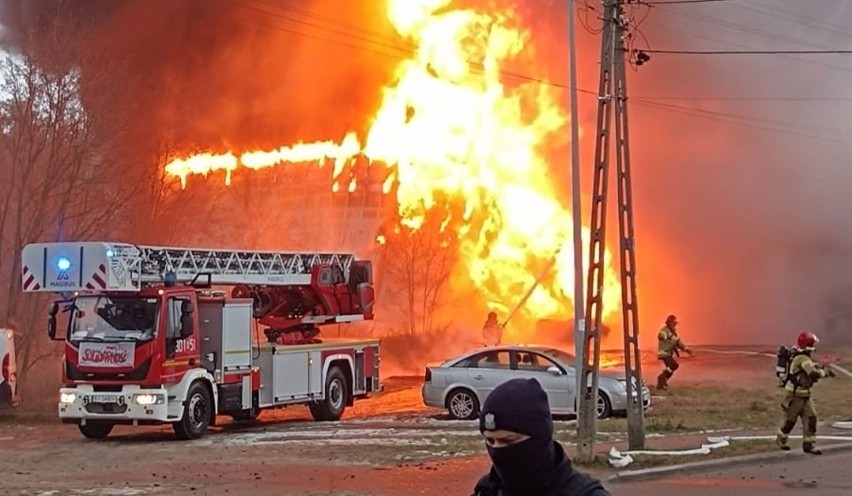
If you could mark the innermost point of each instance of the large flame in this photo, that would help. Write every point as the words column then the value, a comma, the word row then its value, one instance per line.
column 448, row 129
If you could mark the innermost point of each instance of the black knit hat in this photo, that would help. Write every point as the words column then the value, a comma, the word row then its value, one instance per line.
column 518, row 405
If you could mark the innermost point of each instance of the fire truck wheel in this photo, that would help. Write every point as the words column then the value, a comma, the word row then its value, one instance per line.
column 197, row 413
column 463, row 404
column 336, row 393
column 95, row 429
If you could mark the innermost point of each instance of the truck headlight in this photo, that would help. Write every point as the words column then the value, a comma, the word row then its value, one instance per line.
column 67, row 397
column 149, row 399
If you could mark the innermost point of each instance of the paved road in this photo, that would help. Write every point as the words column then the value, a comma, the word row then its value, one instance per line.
column 826, row 475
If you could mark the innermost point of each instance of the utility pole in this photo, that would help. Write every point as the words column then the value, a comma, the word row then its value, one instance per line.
column 576, row 204
column 612, row 91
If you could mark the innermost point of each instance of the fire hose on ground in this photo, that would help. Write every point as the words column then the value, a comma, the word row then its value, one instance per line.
column 623, row 458
column 620, row 459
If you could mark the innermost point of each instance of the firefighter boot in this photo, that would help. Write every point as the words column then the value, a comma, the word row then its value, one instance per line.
column 783, row 434
column 663, row 381
column 781, row 441
column 809, row 448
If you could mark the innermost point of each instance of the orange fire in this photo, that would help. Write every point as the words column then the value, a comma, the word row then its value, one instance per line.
column 448, row 127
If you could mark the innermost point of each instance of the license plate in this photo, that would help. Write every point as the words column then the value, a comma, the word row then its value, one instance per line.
column 104, row 398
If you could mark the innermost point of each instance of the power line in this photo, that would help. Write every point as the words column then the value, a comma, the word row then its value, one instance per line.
column 745, row 28
column 749, row 98
column 405, row 52
column 650, row 101
column 762, row 124
column 672, row 2
column 408, row 51
column 750, row 52
column 343, row 32
column 797, row 20
column 753, row 31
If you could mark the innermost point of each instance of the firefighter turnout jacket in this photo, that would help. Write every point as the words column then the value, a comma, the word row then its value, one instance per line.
column 804, row 373
column 668, row 342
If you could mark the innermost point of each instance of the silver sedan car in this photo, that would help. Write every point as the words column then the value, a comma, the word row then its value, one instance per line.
column 462, row 383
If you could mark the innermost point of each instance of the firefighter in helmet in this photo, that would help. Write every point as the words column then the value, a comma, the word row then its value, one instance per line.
column 492, row 331
column 804, row 373
column 669, row 346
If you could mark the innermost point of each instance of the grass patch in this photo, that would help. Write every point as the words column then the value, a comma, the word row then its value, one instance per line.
column 713, row 408
column 690, row 409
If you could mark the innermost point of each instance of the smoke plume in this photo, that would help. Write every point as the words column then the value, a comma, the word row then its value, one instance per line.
column 740, row 201
column 740, row 175
column 242, row 73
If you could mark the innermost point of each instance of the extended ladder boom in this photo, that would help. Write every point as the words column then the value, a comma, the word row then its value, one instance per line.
column 91, row 266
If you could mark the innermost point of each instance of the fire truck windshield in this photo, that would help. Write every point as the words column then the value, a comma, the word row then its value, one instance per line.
column 121, row 318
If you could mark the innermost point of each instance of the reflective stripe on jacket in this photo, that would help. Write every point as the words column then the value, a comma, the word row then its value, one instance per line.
column 668, row 342
column 803, row 364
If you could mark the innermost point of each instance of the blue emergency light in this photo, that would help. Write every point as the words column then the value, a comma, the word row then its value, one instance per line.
column 63, row 263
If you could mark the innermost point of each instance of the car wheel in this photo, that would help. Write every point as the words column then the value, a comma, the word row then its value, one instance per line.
column 604, row 406
column 463, row 404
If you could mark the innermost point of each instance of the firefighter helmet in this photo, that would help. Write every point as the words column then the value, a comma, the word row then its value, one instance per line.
column 806, row 340
column 492, row 315
column 671, row 319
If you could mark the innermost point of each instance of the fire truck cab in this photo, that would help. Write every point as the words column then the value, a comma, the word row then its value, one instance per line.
column 152, row 337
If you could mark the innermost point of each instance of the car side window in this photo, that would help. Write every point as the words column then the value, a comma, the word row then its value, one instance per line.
column 491, row 360
column 528, row 360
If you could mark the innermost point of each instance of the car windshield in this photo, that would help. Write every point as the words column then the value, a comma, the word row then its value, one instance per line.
column 563, row 357
column 104, row 318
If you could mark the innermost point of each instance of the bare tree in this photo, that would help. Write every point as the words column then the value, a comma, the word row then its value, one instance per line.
column 417, row 264
column 58, row 180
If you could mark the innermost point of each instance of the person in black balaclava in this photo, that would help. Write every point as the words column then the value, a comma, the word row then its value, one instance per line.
column 518, row 429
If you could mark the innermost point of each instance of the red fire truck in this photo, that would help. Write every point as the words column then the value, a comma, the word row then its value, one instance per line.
column 154, row 337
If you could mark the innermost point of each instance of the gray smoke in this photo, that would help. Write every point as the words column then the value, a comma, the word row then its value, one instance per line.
column 742, row 229
column 250, row 73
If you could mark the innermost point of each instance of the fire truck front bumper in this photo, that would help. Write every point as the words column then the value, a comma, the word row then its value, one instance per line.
column 131, row 405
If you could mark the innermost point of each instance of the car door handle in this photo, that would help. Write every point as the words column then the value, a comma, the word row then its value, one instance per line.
column 479, row 377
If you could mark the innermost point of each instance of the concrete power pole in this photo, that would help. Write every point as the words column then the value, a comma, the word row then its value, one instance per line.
column 576, row 204
column 612, row 91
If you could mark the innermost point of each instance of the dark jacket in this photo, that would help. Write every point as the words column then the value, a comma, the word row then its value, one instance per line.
column 564, row 481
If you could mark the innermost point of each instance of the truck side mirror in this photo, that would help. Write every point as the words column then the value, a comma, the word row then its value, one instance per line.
column 186, row 309
column 51, row 320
